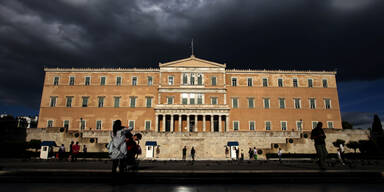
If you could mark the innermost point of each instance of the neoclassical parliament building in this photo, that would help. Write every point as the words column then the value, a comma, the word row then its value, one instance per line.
column 187, row 98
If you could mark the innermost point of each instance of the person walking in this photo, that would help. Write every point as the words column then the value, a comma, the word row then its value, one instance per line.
column 237, row 153
column 184, row 152
column 117, row 147
column 255, row 153
column 318, row 136
column 75, row 151
column 85, row 149
column 193, row 154
column 279, row 154
column 250, row 152
column 70, row 151
column 61, row 152
column 226, row 151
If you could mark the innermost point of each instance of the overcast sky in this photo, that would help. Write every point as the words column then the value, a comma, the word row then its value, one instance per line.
column 347, row 35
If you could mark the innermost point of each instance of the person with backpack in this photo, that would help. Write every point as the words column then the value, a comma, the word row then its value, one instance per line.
column 117, row 147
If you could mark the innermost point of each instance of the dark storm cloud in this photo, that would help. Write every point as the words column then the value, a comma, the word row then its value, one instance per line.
column 278, row 34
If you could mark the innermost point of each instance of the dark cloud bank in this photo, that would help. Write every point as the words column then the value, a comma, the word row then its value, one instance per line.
column 346, row 35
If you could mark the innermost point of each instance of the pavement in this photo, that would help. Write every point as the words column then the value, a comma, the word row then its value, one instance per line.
column 201, row 172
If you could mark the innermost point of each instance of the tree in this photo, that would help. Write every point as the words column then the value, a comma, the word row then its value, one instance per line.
column 34, row 144
column 346, row 125
column 377, row 128
column 353, row 145
column 338, row 142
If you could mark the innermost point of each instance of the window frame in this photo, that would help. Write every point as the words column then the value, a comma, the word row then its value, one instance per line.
column 103, row 80
column 149, row 80
column 119, row 80
column 294, row 103
column 270, row 125
column 56, row 80
column 310, row 103
column 116, row 104
column 295, row 79
column 333, row 124
column 87, row 83
column 314, row 122
column 64, row 122
column 170, row 98
column 171, row 80
column 53, row 101
column 324, row 85
column 101, row 124
column 146, row 102
column 325, row 103
column 284, row 104
column 132, row 98
column 234, row 83
column 87, row 101
column 100, row 98
column 250, row 82
column 214, row 81
column 81, row 124
column 233, row 103
column 216, row 99
column 254, row 125
column 71, row 83
column 134, row 124
column 145, row 125
column 135, row 80
column 264, row 102
column 70, row 99
column 286, row 125
column 238, row 125
column 310, row 85
column 278, row 82
column 50, row 123
column 297, row 127
column 266, row 81
column 252, row 106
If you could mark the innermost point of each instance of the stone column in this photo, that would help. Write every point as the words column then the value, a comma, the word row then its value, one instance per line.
column 188, row 123
column 220, row 122
column 172, row 123
column 195, row 128
column 157, row 123
column 212, row 123
column 204, row 123
column 226, row 123
column 180, row 122
column 164, row 122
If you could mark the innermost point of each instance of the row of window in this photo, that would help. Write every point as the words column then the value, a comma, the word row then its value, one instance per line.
column 283, row 125
column 103, row 80
column 280, row 83
column 282, row 103
column 190, row 79
column 236, row 125
column 191, row 98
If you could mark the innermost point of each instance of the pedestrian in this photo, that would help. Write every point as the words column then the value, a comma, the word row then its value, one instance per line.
column 193, row 154
column 255, row 153
column 226, row 151
column 85, row 150
column 61, row 152
column 157, row 151
column 279, row 154
column 250, row 152
column 237, row 153
column 70, row 151
column 184, row 152
column 318, row 136
column 340, row 157
column 132, row 150
column 75, row 151
column 117, row 148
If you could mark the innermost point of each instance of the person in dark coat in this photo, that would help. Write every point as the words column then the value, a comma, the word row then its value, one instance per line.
column 318, row 136
column 193, row 152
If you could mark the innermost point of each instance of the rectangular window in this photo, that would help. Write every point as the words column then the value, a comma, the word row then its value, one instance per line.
column 295, row 83
column 132, row 102
column 82, row 124
column 251, row 103
column 214, row 100
column 213, row 81
column 134, row 81
column 170, row 80
column 266, row 103
column 147, row 125
column 297, row 102
column 149, row 80
column 250, row 82
column 131, row 123
column 299, row 125
column 192, row 101
column 149, row 102
column 283, row 125
column 199, row 99
column 200, row 79
column 66, row 124
column 314, row 124
column 235, row 103
column 330, row 124
column 102, row 80
column 265, row 82
column 192, row 82
column 71, row 80
column 185, row 79
column 310, row 83
column 325, row 83
column 85, row 102
column 252, row 125
column 118, row 81
column 327, row 103
column 53, row 101
column 184, row 101
column 98, row 125
column 87, row 81
column 69, row 102
column 282, row 103
column 169, row 100
column 234, row 82
column 100, row 102
column 280, row 82
column 50, row 123
column 312, row 103
column 117, row 102
column 267, row 125
column 235, row 125
column 56, row 81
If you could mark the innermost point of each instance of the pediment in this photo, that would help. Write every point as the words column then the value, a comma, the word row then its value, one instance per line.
column 192, row 62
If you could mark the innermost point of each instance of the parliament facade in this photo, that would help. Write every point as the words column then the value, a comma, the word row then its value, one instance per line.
column 188, row 98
